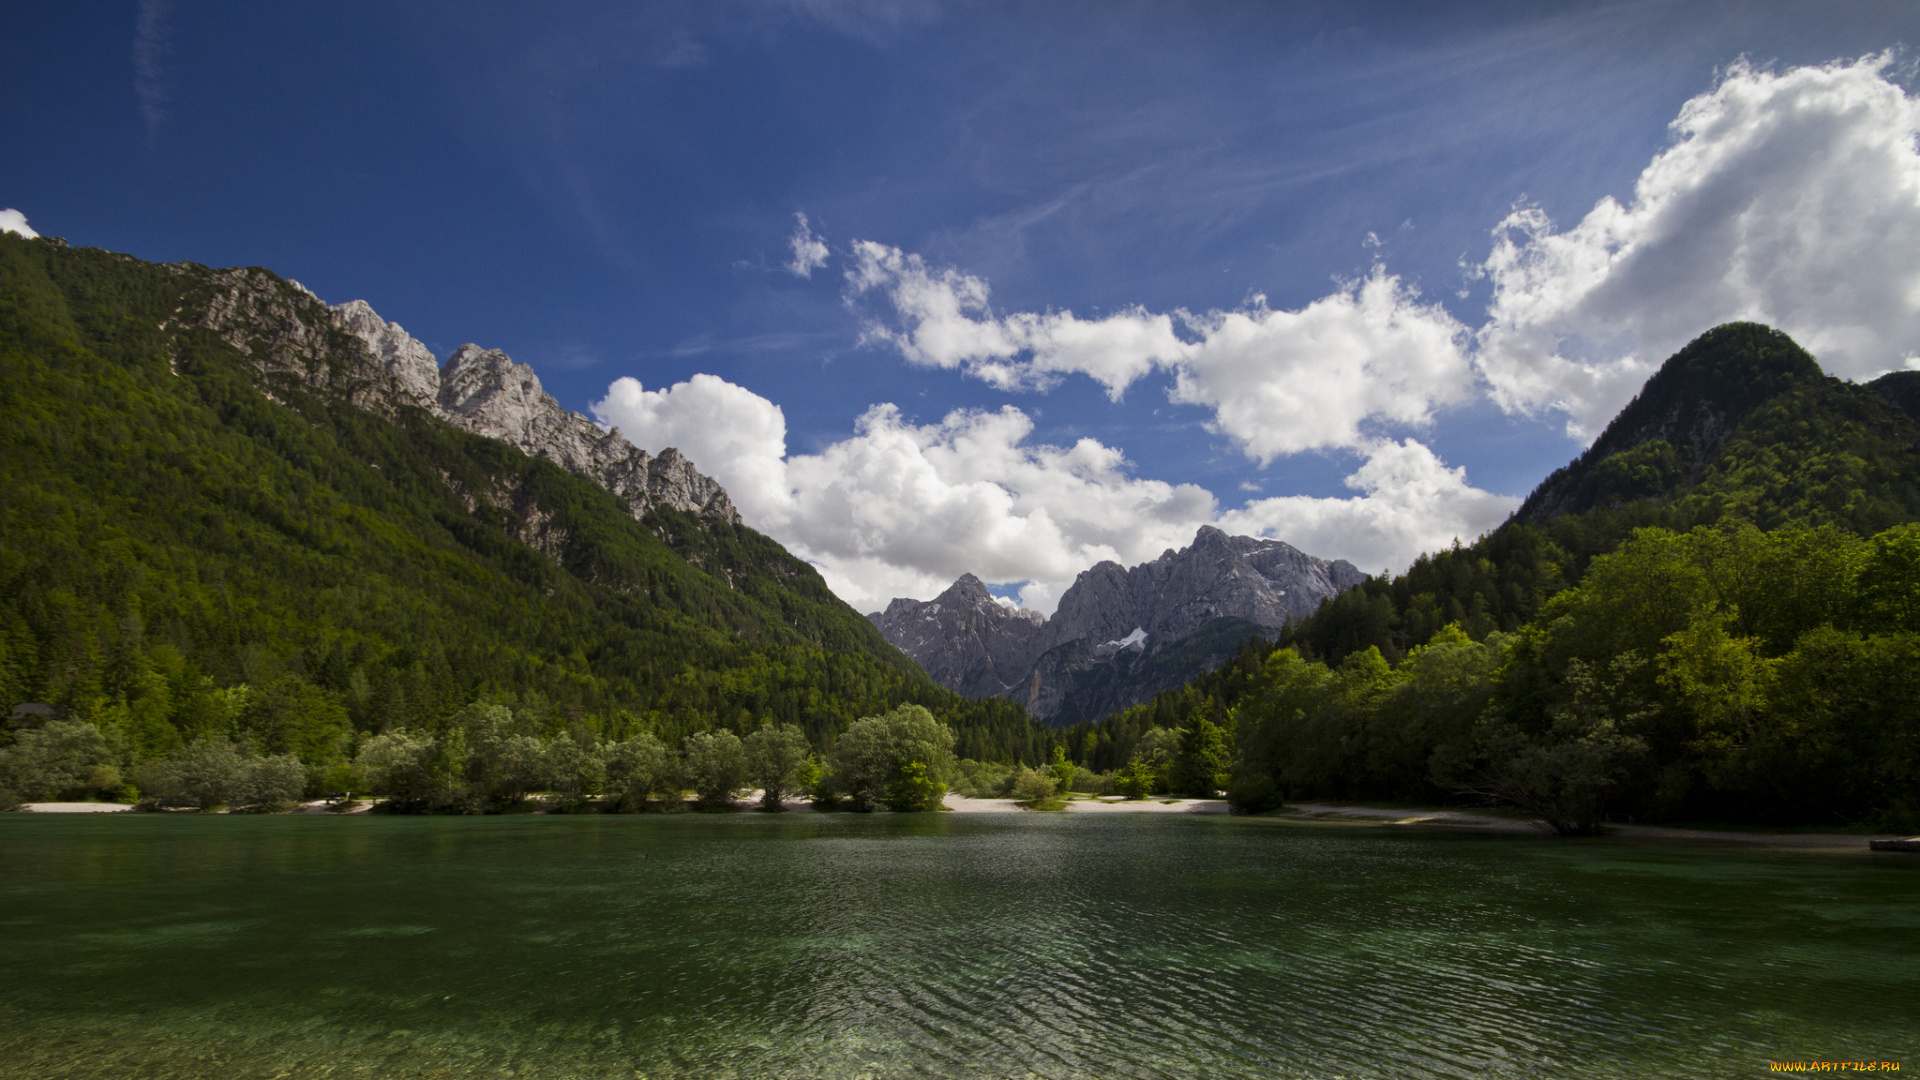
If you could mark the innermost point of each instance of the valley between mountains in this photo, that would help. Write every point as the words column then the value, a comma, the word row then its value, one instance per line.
column 241, row 521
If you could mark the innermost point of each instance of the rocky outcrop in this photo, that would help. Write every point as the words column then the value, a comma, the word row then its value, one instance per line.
column 966, row 640
column 349, row 349
column 416, row 374
column 1263, row 581
column 1166, row 619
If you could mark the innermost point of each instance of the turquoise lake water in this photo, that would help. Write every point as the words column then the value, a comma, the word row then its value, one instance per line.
column 1017, row 945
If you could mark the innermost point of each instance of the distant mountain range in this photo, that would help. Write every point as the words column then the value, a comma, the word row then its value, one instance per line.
column 1741, row 425
column 1119, row 635
column 1741, row 422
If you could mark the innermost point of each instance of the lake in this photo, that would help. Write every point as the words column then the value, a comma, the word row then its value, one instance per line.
column 931, row 945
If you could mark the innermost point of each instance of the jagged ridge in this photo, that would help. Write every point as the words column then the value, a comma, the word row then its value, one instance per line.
column 1111, row 621
column 287, row 331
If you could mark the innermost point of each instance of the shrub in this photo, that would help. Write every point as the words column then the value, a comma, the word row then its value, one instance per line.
column 58, row 758
column 1033, row 788
column 1136, row 781
column 214, row 772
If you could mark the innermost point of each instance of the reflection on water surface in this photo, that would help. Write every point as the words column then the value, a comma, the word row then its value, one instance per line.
column 930, row 946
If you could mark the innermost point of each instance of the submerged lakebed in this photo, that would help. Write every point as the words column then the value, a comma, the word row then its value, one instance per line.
column 927, row 945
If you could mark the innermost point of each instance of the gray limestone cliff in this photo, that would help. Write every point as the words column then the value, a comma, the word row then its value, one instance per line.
column 289, row 333
column 1267, row 582
column 1119, row 635
column 966, row 640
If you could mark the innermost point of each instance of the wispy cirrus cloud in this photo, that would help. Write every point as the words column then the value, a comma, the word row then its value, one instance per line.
column 152, row 44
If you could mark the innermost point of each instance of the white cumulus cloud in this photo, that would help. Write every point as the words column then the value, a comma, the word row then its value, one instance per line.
column 902, row 508
column 1791, row 199
column 14, row 221
column 733, row 434
column 1410, row 502
column 947, row 323
column 1278, row 382
column 809, row 251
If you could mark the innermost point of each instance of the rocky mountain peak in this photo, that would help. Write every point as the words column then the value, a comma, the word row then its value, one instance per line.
column 965, row 638
column 1111, row 616
column 287, row 332
column 1658, row 444
column 498, row 398
column 411, row 364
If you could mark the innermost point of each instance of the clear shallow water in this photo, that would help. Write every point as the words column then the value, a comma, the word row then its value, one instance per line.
column 930, row 946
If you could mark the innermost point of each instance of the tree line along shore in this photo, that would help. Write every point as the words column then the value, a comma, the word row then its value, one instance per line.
column 1724, row 673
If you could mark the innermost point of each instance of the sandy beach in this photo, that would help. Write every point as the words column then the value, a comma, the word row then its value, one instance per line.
column 1341, row 814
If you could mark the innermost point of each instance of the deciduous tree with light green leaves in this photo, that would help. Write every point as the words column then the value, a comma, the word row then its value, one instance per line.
column 776, row 756
column 641, row 768
column 1136, row 780
column 872, row 756
column 715, row 765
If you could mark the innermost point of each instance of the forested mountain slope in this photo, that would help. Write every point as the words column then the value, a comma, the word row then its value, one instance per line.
column 1741, row 426
column 294, row 552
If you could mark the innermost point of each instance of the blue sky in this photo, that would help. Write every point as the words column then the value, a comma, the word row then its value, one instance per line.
column 609, row 191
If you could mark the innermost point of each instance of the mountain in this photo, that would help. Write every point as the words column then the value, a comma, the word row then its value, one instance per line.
column 1713, row 430
column 1119, row 635
column 229, row 508
column 965, row 639
column 288, row 333
column 1741, row 425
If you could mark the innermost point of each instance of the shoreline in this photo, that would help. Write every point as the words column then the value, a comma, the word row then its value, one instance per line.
column 1302, row 813
column 1493, row 821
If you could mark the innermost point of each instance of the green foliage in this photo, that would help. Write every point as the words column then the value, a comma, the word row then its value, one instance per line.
column 215, row 772
column 1722, row 673
column 914, row 790
column 188, row 558
column 640, row 768
column 410, row 770
column 1061, row 770
column 1137, row 780
column 62, row 758
column 871, row 758
column 1201, row 766
column 776, row 757
column 982, row 779
column 714, row 764
column 1034, row 788
column 574, row 769
column 1565, row 774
